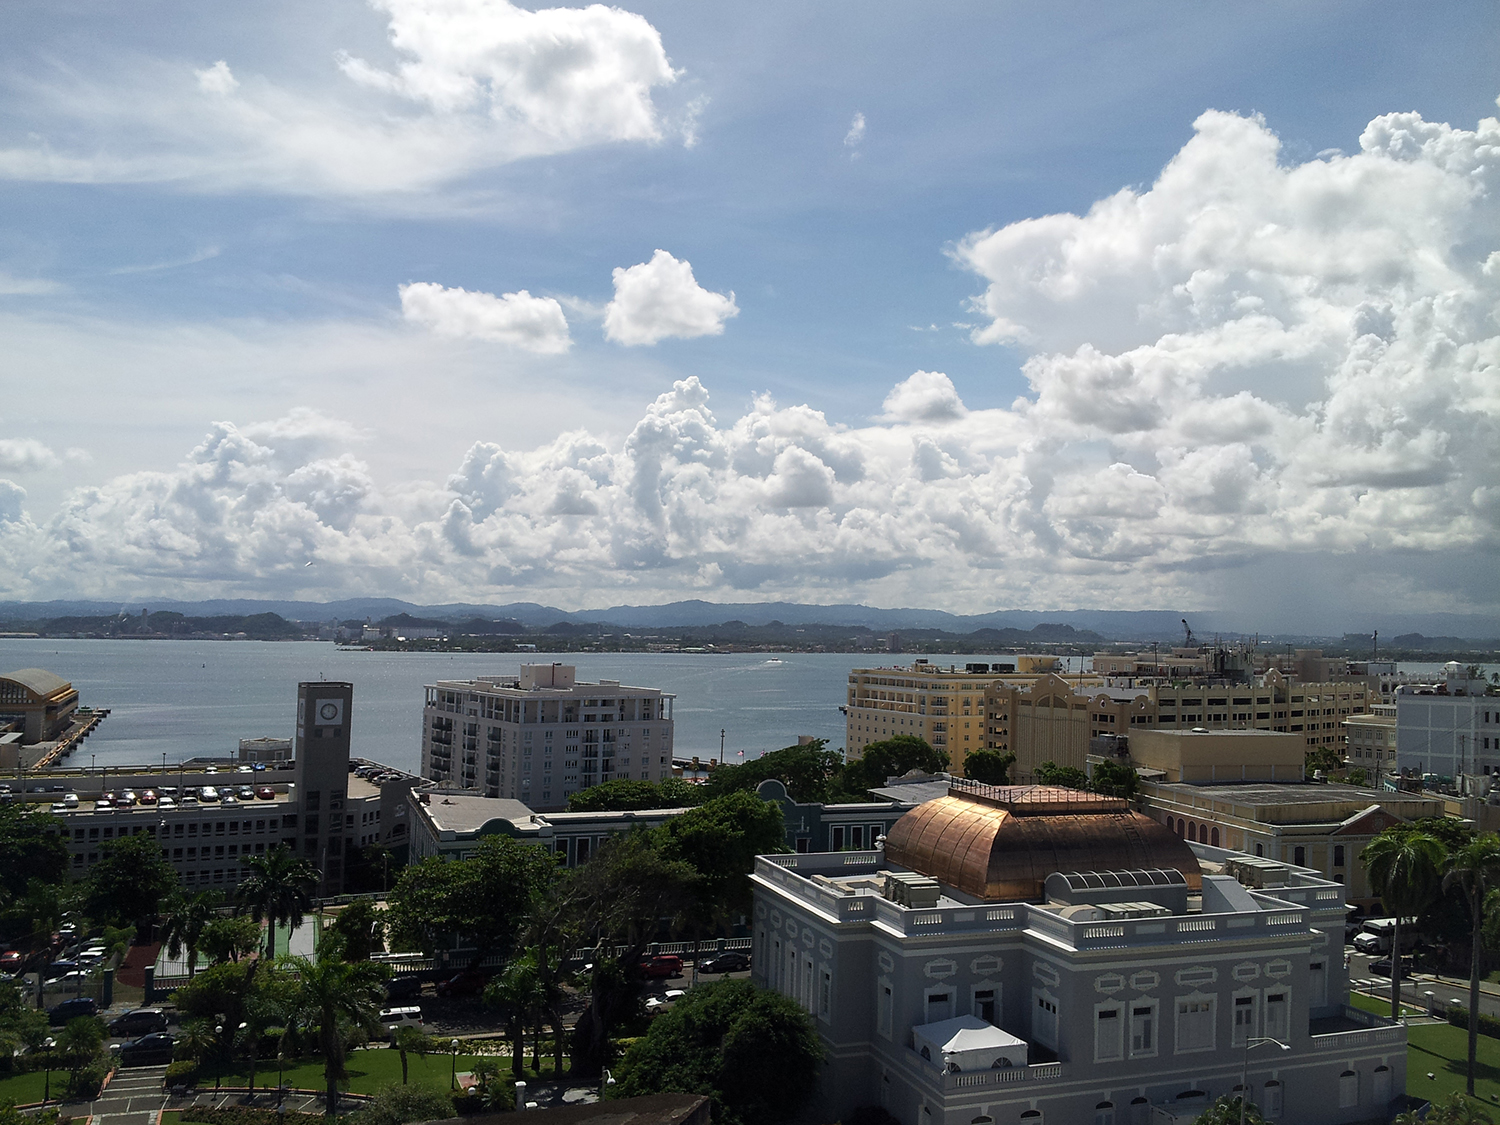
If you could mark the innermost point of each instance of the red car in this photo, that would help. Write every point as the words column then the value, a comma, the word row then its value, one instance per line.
column 661, row 966
column 10, row 961
column 467, row 983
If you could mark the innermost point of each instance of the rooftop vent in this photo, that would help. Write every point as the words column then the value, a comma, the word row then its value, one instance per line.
column 1253, row 871
column 906, row 888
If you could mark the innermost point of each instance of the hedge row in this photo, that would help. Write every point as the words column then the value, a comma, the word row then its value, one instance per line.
column 1488, row 1025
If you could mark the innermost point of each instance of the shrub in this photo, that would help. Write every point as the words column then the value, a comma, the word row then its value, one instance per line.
column 1488, row 1025
column 87, row 1081
column 183, row 1072
column 245, row 1115
column 396, row 1105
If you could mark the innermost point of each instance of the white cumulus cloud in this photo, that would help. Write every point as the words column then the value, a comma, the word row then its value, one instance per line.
column 535, row 324
column 468, row 85
column 22, row 455
column 660, row 299
column 1250, row 367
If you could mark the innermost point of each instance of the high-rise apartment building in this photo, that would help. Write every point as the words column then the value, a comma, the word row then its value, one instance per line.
column 542, row 736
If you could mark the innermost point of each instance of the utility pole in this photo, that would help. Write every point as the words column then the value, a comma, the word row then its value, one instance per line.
column 722, row 733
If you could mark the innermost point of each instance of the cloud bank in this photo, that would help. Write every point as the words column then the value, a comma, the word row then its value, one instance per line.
column 469, row 85
column 1249, row 360
column 535, row 324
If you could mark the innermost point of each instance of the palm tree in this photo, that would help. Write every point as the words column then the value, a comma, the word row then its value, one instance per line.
column 279, row 889
column 410, row 1039
column 1475, row 868
column 1404, row 868
column 341, row 998
column 183, row 923
column 518, row 993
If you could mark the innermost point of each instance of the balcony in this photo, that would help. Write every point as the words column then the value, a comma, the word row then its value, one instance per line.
column 1354, row 1030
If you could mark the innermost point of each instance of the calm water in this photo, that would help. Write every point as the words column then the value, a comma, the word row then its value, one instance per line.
column 187, row 698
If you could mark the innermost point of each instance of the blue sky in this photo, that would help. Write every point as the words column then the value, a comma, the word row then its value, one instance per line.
column 218, row 383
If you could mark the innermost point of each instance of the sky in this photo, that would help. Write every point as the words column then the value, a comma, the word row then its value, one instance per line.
column 969, row 306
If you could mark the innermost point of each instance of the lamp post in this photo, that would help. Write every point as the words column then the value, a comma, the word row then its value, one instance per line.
column 1253, row 1041
column 48, row 1043
column 219, row 1043
column 453, row 1073
column 243, row 1030
column 280, row 1078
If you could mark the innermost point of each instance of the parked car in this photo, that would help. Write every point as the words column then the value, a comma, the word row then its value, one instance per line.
column 467, row 983
column 148, row 1050
column 59, row 969
column 662, row 966
column 149, row 797
column 10, row 960
column 71, row 1010
column 1382, row 967
column 166, row 803
column 245, row 793
column 208, row 794
column 141, row 1021
column 70, row 800
column 730, row 961
column 665, row 1001
column 403, row 988
column 393, row 1018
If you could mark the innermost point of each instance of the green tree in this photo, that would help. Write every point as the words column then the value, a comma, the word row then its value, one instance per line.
column 1475, row 869
column 218, row 995
column 358, row 929
column 1069, row 777
column 989, row 767
column 129, row 881
column 185, row 916
column 278, row 890
column 754, row 1052
column 891, row 757
column 720, row 840
column 808, row 771
column 410, row 1041
column 617, row 902
column 21, row 1027
column 341, row 999
column 80, row 1042
column 1455, row 1109
column 482, row 902
column 1325, row 758
column 1403, row 867
column 1114, row 780
column 625, row 794
column 519, row 995
column 1226, row 1111
column 229, row 939
column 31, row 847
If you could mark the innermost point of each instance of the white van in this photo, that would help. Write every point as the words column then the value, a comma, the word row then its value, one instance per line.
column 70, row 801
column 393, row 1018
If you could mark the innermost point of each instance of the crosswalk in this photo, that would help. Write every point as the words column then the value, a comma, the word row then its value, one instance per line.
column 134, row 1097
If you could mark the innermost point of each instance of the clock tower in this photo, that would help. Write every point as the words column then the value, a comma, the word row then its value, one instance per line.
column 321, row 773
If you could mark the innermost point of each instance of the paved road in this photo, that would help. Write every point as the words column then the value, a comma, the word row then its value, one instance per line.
column 1414, row 990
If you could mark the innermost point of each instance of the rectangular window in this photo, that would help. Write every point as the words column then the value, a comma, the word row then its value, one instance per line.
column 1276, row 1015
column 857, row 837
column 825, row 995
column 1044, row 1020
column 1195, row 1023
column 984, row 1005
column 939, row 1006
column 838, row 837
column 1244, row 1019
column 1109, row 1036
column 1142, row 1030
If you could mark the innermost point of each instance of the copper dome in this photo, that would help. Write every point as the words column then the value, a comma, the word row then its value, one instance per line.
column 1000, row 844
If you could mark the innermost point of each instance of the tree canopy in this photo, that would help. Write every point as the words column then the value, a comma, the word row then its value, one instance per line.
column 129, row 881
column 809, row 771
column 989, row 767
column 624, row 794
column 890, row 757
column 482, row 901
column 30, row 847
column 720, row 840
column 279, row 889
column 752, row 1051
column 358, row 929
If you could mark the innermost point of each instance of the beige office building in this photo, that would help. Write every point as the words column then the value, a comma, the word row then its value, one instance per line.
column 1370, row 738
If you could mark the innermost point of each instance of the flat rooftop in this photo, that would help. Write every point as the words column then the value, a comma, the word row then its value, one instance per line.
column 1290, row 793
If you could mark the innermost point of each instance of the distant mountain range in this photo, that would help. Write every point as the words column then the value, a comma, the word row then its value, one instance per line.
column 1121, row 625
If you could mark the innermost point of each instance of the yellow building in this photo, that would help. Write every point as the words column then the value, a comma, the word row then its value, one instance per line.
column 1197, row 756
column 1370, row 739
column 946, row 707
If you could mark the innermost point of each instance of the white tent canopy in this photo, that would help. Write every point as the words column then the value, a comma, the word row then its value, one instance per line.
column 968, row 1043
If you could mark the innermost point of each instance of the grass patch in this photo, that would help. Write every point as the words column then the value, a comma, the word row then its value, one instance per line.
column 24, row 1088
column 1381, row 1005
column 1444, row 1050
column 368, row 1070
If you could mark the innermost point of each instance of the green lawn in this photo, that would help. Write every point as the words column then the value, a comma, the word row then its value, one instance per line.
column 1443, row 1050
column 1381, row 1005
column 23, row 1088
column 368, row 1070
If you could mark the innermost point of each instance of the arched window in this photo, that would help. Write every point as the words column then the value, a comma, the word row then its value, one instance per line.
column 1348, row 1090
column 1032, row 1117
column 983, row 1119
column 1181, row 828
column 1213, row 837
column 1270, row 1102
column 1104, row 1113
column 1140, row 1111
column 1169, row 824
column 1193, row 830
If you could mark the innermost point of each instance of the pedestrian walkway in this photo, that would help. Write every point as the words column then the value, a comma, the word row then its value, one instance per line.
column 133, row 1097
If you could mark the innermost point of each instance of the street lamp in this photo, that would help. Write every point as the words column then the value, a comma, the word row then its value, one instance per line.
column 243, row 1028
column 48, row 1043
column 1253, row 1041
column 280, row 1078
column 453, row 1076
column 219, row 1043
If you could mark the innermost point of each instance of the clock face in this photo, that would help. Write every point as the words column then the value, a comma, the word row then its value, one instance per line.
column 330, row 712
